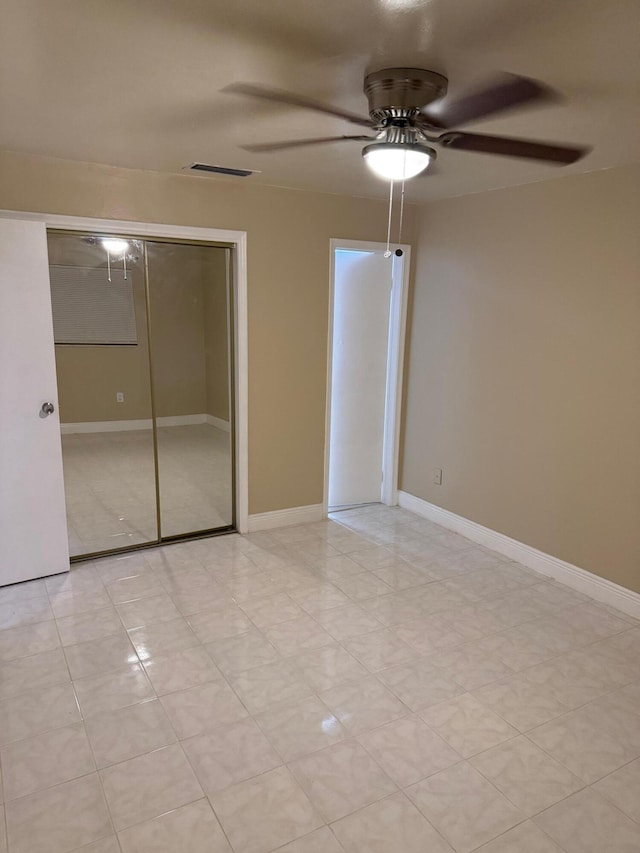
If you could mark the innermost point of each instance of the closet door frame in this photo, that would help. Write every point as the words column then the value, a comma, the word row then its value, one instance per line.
column 238, row 242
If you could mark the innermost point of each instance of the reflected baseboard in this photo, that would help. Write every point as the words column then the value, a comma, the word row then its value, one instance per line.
column 143, row 423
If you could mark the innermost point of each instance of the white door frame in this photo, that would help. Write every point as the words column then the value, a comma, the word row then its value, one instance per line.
column 185, row 232
column 395, row 366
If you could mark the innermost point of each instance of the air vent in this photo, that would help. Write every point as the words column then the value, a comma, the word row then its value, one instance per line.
column 218, row 170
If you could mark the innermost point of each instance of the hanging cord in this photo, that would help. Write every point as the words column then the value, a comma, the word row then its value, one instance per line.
column 108, row 264
column 124, row 263
column 401, row 213
column 387, row 254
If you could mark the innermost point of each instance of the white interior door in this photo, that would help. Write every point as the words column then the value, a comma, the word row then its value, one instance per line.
column 33, row 530
column 361, row 304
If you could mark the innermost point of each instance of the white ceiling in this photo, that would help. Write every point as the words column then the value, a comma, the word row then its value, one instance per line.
column 137, row 82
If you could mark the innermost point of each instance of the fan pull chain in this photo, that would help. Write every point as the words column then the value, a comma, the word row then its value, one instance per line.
column 108, row 264
column 124, row 264
column 401, row 213
column 387, row 253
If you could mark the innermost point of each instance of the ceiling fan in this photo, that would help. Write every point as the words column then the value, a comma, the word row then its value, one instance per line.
column 406, row 129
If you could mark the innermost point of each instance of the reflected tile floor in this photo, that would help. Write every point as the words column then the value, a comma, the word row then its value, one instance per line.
column 109, row 480
column 367, row 684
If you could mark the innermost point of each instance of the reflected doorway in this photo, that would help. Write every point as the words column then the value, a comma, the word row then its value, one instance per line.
column 144, row 358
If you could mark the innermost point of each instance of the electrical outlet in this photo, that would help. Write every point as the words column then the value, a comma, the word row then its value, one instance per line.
column 119, row 397
column 437, row 476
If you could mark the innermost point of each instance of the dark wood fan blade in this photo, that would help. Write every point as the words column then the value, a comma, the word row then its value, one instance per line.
column 509, row 147
column 300, row 143
column 281, row 97
column 506, row 92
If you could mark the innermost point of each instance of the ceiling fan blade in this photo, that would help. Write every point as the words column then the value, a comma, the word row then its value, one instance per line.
column 281, row 97
column 300, row 143
column 506, row 92
column 563, row 155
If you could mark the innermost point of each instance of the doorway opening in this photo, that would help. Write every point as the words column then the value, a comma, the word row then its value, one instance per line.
column 143, row 331
column 367, row 320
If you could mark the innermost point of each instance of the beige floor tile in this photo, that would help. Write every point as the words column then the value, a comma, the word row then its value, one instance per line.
column 265, row 813
column 137, row 586
column 143, row 611
column 526, row 775
column 362, row 586
column 464, row 807
column 220, row 623
column 99, row 656
column 585, row 745
column 319, row 597
column 189, row 829
column 28, row 640
column 319, row 841
column 149, row 785
column 230, row 754
column 622, row 788
column 587, row 823
column 3, row 832
column 420, row 685
column 268, row 685
column 468, row 725
column 328, row 667
column 24, row 611
column 525, row 838
column 37, row 711
column 84, row 627
column 408, row 750
column 389, row 825
column 19, row 592
column 364, row 704
column 345, row 622
column 470, row 665
column 271, row 610
column 299, row 728
column 105, row 845
column 341, row 779
column 162, row 638
column 380, row 649
column 181, row 670
column 113, row 690
column 246, row 651
column 201, row 708
column 45, row 760
column 401, row 576
column 118, row 735
column 68, row 603
column 59, row 819
column 41, row 670
column 298, row 636
column 521, row 702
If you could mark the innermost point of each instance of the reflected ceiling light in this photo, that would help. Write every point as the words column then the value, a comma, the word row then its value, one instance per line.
column 115, row 246
column 397, row 161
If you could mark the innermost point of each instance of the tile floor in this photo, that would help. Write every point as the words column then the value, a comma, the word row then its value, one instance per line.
column 110, row 487
column 370, row 684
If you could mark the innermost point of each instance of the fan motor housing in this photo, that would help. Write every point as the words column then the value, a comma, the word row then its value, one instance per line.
column 401, row 92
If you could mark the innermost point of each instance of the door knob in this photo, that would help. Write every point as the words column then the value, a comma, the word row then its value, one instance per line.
column 47, row 409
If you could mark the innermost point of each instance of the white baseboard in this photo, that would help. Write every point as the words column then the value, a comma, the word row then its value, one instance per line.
column 285, row 517
column 579, row 579
column 143, row 423
column 212, row 420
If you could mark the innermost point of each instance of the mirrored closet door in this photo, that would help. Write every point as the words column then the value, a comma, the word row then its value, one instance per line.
column 143, row 339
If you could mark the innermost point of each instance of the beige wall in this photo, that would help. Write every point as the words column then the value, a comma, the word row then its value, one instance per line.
column 288, row 269
column 524, row 366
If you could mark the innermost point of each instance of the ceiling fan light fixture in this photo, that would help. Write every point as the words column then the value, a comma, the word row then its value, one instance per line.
column 397, row 161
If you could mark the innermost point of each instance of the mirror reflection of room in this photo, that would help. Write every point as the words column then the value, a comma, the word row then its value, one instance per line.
column 126, row 482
